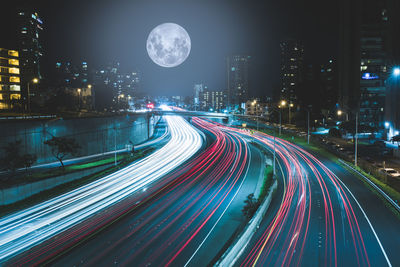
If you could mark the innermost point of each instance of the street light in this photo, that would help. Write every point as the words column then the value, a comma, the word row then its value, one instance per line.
column 79, row 97
column 356, row 141
column 396, row 71
column 290, row 117
column 34, row 81
column 340, row 113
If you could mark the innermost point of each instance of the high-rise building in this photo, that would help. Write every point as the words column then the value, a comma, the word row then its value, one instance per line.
column 211, row 100
column 118, row 86
column 198, row 90
column 292, row 57
column 349, row 55
column 392, row 107
column 373, row 64
column 238, row 80
column 329, row 85
column 10, row 81
column 30, row 28
column 368, row 40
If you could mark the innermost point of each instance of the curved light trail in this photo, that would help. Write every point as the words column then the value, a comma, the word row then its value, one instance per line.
column 25, row 229
column 167, row 227
column 316, row 222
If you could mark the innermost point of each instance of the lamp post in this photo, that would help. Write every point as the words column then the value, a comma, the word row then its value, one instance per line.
column 79, row 98
column 34, row 81
column 274, row 164
column 282, row 104
column 308, row 126
column 356, row 141
column 255, row 111
column 290, row 114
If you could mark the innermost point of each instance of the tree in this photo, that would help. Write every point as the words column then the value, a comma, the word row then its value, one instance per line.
column 251, row 206
column 13, row 159
column 28, row 160
column 63, row 146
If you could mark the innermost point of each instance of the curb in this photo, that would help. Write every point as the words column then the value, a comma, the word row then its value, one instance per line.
column 377, row 188
column 235, row 251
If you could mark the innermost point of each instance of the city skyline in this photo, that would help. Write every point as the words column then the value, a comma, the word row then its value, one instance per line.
column 232, row 28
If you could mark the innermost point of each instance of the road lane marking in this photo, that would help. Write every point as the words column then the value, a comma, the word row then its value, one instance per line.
column 220, row 217
column 366, row 218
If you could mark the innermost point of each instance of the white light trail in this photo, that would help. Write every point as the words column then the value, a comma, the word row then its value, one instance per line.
column 30, row 227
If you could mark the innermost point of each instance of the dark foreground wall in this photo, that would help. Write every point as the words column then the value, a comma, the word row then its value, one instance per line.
column 95, row 135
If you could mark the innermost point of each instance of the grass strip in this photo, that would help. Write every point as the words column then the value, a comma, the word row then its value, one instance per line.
column 61, row 189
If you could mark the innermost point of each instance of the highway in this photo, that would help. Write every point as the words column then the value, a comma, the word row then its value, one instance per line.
column 27, row 228
column 185, row 221
column 322, row 216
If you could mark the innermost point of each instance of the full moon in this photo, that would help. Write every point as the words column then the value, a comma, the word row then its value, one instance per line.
column 168, row 45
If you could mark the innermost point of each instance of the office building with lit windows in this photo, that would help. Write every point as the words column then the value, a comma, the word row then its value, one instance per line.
column 211, row 100
column 10, row 80
column 238, row 80
column 292, row 57
column 30, row 28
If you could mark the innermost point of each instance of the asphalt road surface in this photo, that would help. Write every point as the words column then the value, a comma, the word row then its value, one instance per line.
column 322, row 216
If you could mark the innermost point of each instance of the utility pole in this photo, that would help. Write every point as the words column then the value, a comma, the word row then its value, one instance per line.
column 115, row 144
column 257, row 122
column 356, row 140
column 280, row 122
column 274, row 155
column 308, row 127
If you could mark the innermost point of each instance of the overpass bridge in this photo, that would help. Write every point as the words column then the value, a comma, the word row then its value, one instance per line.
column 191, row 113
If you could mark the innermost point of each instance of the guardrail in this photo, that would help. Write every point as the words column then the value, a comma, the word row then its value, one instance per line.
column 377, row 188
column 27, row 117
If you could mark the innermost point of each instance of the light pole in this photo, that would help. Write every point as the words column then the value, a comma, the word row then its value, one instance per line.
column 34, row 81
column 340, row 113
column 290, row 114
column 274, row 155
column 283, row 104
column 308, row 126
column 115, row 144
column 79, row 98
column 356, row 141
column 255, row 111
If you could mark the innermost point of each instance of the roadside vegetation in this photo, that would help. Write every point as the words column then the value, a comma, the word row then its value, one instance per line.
column 123, row 161
column 251, row 202
column 316, row 147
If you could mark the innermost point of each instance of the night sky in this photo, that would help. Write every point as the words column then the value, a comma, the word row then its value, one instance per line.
column 116, row 30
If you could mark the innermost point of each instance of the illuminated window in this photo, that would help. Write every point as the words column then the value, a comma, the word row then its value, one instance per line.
column 14, row 79
column 13, row 53
column 14, row 62
column 15, row 96
column 15, row 87
column 14, row 70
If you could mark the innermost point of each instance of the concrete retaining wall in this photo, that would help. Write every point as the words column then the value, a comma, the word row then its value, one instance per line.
column 20, row 192
column 95, row 135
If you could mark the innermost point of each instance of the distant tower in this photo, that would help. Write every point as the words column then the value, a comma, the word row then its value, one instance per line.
column 30, row 28
column 292, row 55
column 238, row 80
column 198, row 90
